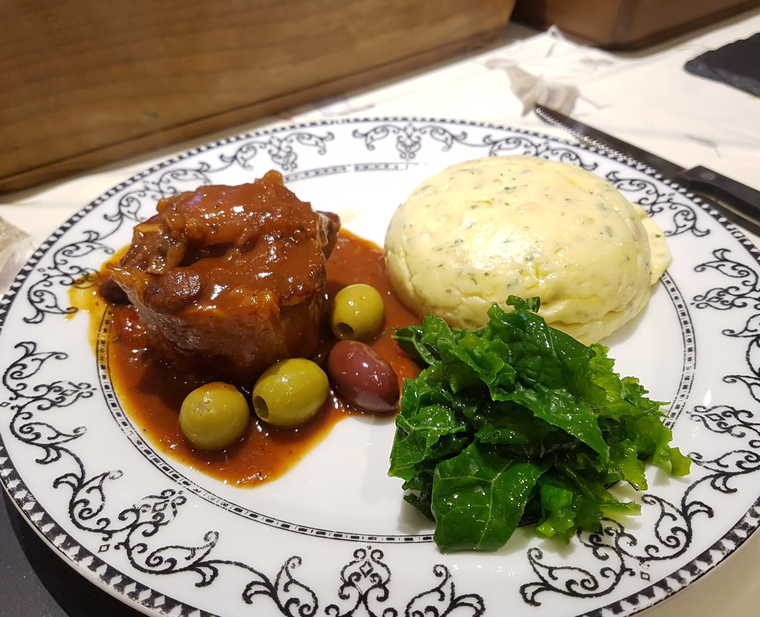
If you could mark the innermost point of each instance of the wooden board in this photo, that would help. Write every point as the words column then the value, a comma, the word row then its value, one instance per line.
column 626, row 24
column 89, row 82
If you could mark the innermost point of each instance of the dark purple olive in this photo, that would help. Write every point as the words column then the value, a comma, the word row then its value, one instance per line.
column 362, row 377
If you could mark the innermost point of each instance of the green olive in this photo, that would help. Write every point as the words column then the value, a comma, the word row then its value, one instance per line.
column 290, row 392
column 358, row 312
column 214, row 416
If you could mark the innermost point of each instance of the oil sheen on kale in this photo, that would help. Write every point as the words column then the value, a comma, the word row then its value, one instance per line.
column 518, row 422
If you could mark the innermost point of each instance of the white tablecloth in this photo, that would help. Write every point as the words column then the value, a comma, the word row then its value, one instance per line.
column 643, row 97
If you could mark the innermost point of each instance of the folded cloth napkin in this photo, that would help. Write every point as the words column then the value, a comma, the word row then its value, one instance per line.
column 15, row 247
column 534, row 90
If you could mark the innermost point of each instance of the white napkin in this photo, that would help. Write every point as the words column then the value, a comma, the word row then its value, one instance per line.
column 534, row 90
column 15, row 247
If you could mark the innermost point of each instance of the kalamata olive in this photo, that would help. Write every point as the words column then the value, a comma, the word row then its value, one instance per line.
column 358, row 312
column 362, row 377
column 290, row 392
column 214, row 416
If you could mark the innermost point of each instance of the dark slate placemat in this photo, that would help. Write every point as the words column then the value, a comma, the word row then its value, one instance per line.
column 736, row 64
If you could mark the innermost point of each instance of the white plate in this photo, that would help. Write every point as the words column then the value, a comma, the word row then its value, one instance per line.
column 333, row 536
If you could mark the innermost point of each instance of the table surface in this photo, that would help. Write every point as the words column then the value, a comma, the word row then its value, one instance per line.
column 644, row 97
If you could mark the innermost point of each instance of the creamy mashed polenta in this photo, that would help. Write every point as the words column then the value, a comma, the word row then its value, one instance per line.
column 482, row 230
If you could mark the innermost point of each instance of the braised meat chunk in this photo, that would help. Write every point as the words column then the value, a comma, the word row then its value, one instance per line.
column 230, row 278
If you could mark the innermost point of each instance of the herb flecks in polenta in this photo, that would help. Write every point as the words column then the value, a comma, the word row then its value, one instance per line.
column 538, row 228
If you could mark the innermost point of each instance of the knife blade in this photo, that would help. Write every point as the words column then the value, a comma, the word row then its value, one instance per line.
column 736, row 201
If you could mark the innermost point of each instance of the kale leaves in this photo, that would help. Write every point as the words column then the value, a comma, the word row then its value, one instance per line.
column 520, row 422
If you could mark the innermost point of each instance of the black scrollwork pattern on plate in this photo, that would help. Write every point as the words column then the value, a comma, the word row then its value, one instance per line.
column 279, row 149
column 745, row 292
column 443, row 601
column 36, row 390
column 574, row 580
column 619, row 552
column 660, row 204
column 135, row 529
column 543, row 148
column 62, row 273
column 725, row 419
column 364, row 590
column 30, row 396
column 364, row 585
column 410, row 136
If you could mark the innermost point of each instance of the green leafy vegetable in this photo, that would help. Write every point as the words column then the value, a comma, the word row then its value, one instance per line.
column 479, row 498
column 520, row 421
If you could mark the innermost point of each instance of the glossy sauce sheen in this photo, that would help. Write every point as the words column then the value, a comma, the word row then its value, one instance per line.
column 151, row 392
column 230, row 279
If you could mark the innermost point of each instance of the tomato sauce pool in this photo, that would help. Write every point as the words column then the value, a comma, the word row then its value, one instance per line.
column 151, row 392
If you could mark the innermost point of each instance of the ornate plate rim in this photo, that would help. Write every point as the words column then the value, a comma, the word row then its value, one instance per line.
column 74, row 555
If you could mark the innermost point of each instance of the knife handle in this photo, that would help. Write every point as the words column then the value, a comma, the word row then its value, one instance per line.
column 742, row 198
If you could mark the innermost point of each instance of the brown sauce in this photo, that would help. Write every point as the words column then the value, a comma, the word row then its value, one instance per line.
column 151, row 392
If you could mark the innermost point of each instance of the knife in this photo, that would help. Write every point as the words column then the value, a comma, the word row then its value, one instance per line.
column 736, row 201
